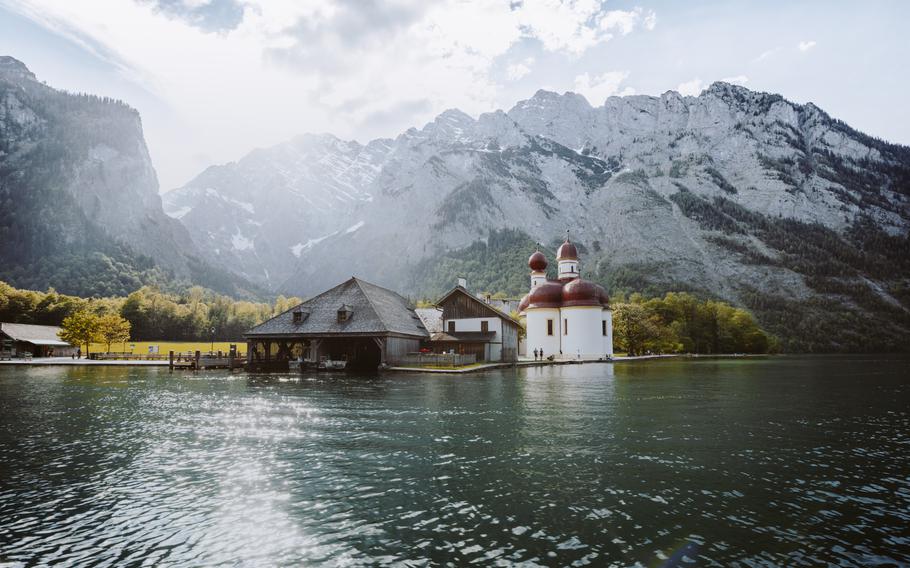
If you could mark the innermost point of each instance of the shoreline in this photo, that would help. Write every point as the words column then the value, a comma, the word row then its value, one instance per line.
column 68, row 362
column 532, row 363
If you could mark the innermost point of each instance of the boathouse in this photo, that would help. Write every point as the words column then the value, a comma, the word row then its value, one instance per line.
column 364, row 325
column 21, row 339
column 470, row 325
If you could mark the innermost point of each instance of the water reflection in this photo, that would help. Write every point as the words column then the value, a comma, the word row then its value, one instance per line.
column 785, row 461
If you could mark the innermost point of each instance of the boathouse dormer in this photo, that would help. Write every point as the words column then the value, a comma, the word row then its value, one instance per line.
column 344, row 313
column 299, row 316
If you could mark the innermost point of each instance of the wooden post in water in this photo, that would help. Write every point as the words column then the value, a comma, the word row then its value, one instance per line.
column 196, row 365
column 170, row 361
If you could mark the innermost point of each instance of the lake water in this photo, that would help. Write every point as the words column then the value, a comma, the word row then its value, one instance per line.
column 749, row 462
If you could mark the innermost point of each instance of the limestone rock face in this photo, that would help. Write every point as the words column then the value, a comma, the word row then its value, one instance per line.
column 735, row 194
column 79, row 203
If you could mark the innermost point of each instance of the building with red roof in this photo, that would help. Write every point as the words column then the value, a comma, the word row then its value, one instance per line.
column 570, row 317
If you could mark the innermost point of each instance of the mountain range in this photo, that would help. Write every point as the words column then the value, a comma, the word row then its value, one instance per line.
column 734, row 194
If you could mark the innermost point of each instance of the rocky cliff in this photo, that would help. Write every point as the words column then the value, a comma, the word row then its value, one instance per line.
column 79, row 203
column 733, row 194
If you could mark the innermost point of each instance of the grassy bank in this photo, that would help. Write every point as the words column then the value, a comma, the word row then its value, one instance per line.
column 142, row 347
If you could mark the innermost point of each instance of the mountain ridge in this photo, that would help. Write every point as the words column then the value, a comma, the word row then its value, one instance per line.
column 700, row 193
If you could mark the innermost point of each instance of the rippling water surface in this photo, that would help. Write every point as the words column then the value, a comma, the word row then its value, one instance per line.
column 781, row 461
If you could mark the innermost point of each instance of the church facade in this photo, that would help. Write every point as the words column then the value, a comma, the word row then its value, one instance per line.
column 570, row 317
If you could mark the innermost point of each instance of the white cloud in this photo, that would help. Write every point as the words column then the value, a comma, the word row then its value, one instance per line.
column 651, row 20
column 691, row 88
column 516, row 71
column 575, row 26
column 766, row 54
column 806, row 45
column 292, row 66
column 737, row 80
column 597, row 89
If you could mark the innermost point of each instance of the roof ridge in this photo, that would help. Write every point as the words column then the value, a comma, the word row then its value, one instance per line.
column 462, row 289
column 370, row 301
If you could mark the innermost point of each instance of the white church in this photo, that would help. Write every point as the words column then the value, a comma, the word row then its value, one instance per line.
column 570, row 317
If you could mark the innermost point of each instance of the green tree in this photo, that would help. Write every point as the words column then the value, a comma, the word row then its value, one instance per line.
column 113, row 329
column 81, row 328
column 634, row 327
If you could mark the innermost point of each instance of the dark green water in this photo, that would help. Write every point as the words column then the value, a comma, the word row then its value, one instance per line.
column 782, row 461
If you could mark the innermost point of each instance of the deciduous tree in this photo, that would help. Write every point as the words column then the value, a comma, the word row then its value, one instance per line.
column 113, row 329
column 81, row 328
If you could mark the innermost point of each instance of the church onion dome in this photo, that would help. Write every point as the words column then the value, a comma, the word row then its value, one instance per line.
column 523, row 304
column 604, row 298
column 545, row 295
column 580, row 292
column 537, row 262
column 567, row 251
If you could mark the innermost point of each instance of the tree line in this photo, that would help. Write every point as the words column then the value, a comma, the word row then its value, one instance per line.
column 680, row 322
column 196, row 314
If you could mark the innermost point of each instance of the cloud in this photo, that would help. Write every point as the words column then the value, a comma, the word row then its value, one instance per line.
column 766, row 54
column 574, row 26
column 691, row 88
column 516, row 71
column 737, row 80
column 805, row 46
column 650, row 21
column 597, row 89
column 208, row 15
column 237, row 74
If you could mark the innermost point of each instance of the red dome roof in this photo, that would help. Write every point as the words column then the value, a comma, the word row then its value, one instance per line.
column 580, row 292
column 545, row 295
column 523, row 304
column 604, row 298
column 567, row 251
column 537, row 262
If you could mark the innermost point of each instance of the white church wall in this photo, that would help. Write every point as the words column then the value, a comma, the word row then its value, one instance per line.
column 585, row 332
column 608, row 340
column 537, row 337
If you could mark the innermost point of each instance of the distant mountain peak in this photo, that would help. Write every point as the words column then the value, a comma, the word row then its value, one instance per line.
column 13, row 69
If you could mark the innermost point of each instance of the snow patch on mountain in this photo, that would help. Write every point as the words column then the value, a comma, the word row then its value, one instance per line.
column 240, row 242
column 354, row 227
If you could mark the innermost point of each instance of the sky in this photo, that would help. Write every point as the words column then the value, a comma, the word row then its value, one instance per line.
column 214, row 79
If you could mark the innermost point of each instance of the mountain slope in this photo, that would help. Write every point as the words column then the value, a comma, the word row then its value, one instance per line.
column 259, row 214
column 733, row 194
column 79, row 204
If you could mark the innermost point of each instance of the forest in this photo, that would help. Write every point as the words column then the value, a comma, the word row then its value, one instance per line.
column 151, row 313
column 679, row 322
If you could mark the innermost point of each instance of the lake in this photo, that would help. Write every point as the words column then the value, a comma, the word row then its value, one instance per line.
column 710, row 462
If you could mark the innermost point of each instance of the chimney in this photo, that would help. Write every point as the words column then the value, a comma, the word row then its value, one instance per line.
column 463, row 282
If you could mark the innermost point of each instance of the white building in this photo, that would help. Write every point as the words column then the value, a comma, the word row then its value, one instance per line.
column 569, row 317
column 470, row 325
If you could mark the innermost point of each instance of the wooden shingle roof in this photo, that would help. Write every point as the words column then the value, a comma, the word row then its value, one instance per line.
column 374, row 310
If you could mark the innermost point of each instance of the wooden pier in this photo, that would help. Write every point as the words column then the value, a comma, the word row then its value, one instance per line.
column 198, row 361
